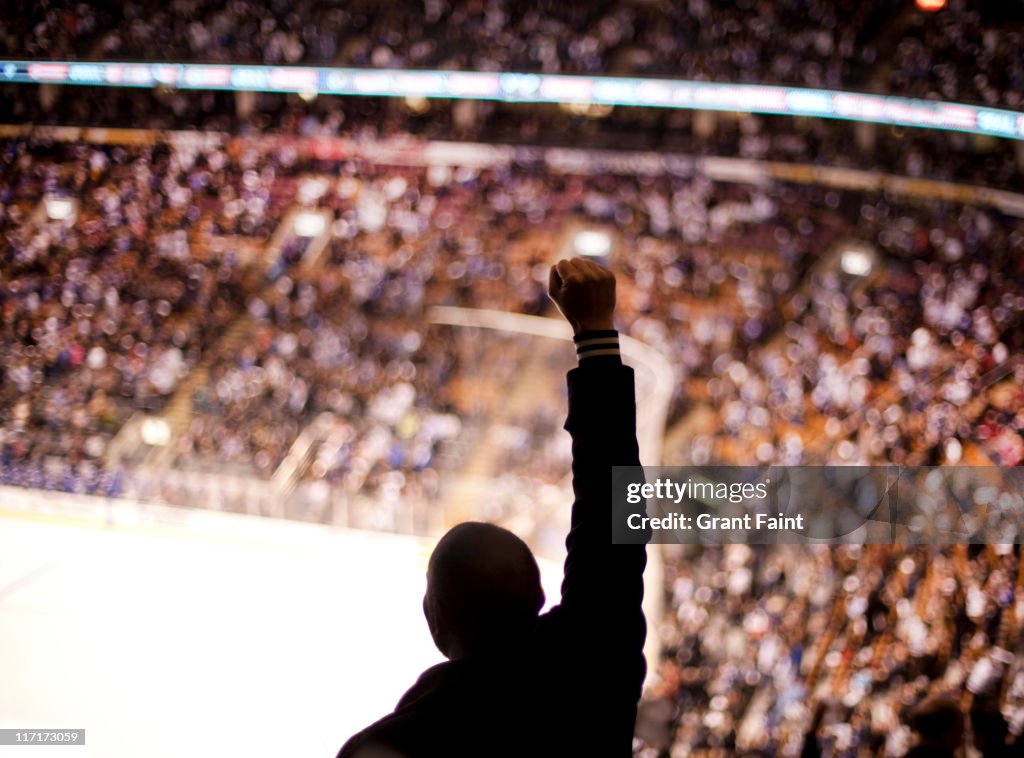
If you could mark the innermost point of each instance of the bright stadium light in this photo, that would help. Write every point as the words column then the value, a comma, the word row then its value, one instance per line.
column 592, row 243
column 312, row 189
column 417, row 104
column 589, row 110
column 59, row 208
column 156, row 432
column 308, row 224
column 855, row 263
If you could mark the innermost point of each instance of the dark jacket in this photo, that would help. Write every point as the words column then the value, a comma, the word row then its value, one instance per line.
column 572, row 688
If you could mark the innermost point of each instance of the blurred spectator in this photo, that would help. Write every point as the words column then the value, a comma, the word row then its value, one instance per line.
column 968, row 52
column 939, row 726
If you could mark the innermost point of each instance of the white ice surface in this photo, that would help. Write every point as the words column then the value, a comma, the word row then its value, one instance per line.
column 167, row 641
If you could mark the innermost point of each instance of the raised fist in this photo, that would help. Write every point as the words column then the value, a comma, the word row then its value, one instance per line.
column 584, row 292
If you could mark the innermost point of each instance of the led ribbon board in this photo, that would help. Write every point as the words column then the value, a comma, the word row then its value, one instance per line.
column 528, row 88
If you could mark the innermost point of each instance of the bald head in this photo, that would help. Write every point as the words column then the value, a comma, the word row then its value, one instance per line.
column 483, row 590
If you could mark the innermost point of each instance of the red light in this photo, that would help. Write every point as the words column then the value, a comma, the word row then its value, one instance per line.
column 931, row 5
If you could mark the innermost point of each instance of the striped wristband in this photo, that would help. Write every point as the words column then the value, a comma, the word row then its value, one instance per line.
column 596, row 344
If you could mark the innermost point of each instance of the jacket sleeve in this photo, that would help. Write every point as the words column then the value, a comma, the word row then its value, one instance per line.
column 602, row 589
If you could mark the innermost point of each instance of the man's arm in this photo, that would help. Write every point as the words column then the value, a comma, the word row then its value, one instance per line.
column 602, row 590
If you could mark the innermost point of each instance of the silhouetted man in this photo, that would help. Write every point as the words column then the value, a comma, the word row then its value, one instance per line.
column 517, row 683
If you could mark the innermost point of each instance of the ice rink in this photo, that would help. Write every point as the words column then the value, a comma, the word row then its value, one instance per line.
column 204, row 634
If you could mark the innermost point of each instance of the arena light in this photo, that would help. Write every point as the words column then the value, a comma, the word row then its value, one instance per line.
column 589, row 110
column 592, row 243
column 312, row 189
column 156, row 432
column 59, row 208
column 855, row 263
column 417, row 104
column 931, row 5
column 308, row 224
